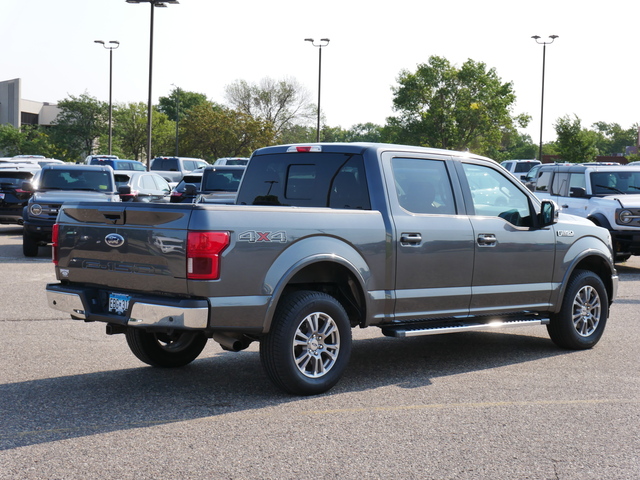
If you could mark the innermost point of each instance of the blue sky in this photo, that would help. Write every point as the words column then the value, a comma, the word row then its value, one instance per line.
column 202, row 46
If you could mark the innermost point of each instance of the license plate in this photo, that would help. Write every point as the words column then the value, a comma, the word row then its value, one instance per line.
column 118, row 303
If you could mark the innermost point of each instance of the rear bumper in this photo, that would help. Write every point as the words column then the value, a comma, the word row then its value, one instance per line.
column 143, row 312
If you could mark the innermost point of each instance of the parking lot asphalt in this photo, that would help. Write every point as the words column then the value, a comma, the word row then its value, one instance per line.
column 76, row 404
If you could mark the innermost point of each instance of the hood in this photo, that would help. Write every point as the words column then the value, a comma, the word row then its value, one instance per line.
column 61, row 196
column 626, row 201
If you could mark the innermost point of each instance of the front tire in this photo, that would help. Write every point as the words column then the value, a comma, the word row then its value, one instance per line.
column 309, row 345
column 580, row 322
column 159, row 349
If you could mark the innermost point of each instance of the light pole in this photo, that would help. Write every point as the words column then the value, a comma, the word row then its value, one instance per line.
column 544, row 52
column 113, row 44
column 177, row 90
column 323, row 43
column 152, row 3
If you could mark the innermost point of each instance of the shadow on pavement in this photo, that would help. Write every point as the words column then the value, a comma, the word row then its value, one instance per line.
column 53, row 409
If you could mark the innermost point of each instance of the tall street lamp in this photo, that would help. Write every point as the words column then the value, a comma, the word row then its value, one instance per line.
column 323, row 43
column 113, row 44
column 152, row 3
column 544, row 52
column 177, row 91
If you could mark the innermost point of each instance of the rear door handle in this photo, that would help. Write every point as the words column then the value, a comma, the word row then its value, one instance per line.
column 487, row 240
column 408, row 239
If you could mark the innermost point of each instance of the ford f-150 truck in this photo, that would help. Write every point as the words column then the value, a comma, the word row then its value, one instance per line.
column 324, row 238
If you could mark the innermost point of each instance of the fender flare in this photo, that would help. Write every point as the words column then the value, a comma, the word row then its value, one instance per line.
column 295, row 258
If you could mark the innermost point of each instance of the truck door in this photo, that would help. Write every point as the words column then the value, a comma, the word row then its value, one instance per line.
column 513, row 261
column 434, row 245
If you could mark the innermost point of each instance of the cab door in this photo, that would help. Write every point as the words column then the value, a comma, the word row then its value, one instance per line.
column 433, row 243
column 513, row 261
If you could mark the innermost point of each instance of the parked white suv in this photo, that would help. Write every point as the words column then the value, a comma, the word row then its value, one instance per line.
column 609, row 196
column 520, row 167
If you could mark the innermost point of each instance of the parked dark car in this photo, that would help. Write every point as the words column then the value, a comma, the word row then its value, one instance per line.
column 142, row 187
column 119, row 164
column 217, row 184
column 12, row 197
column 51, row 187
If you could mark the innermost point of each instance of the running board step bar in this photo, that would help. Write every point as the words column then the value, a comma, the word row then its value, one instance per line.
column 424, row 328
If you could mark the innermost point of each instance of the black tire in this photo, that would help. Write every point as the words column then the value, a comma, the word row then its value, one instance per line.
column 309, row 345
column 166, row 350
column 585, row 307
column 29, row 245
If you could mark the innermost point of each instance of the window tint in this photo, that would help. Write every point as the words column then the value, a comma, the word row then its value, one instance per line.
column 423, row 186
column 494, row 195
column 75, row 180
column 147, row 182
column 542, row 185
column 334, row 180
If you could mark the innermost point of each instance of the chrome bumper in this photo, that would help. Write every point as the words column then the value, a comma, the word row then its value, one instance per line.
column 142, row 314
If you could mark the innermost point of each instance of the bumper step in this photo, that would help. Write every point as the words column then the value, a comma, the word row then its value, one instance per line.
column 415, row 329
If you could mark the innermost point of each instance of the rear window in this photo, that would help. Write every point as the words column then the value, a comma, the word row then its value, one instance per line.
column 333, row 180
column 99, row 180
column 14, row 179
column 222, row 180
column 524, row 167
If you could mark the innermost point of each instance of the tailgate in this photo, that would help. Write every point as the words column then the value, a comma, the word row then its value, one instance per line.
column 134, row 246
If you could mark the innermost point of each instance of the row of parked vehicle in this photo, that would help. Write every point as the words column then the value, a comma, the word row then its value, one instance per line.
column 32, row 194
column 608, row 194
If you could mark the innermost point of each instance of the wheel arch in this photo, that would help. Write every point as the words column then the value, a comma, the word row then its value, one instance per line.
column 595, row 261
column 340, row 271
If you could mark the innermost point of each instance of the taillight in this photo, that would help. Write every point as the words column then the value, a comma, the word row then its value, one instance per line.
column 54, row 247
column 203, row 254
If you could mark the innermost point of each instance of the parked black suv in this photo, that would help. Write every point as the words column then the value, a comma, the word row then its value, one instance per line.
column 12, row 197
column 54, row 185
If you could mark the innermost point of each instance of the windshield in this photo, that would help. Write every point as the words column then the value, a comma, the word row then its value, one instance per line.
column 606, row 183
column 96, row 180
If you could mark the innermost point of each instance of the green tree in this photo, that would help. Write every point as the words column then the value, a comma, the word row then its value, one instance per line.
column 612, row 139
column 442, row 106
column 180, row 101
column 211, row 132
column 79, row 124
column 279, row 102
column 27, row 140
column 130, row 129
column 575, row 144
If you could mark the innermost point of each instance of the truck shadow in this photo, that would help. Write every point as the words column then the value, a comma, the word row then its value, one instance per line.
column 52, row 409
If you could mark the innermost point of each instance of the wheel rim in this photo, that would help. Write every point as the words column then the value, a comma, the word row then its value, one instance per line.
column 316, row 345
column 586, row 311
column 174, row 342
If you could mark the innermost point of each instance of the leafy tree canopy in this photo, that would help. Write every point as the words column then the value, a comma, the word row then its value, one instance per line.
column 279, row 102
column 79, row 124
column 575, row 144
column 212, row 132
column 180, row 101
column 442, row 106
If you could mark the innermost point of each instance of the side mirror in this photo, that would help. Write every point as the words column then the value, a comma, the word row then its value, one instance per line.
column 548, row 213
column 27, row 187
column 577, row 192
column 124, row 190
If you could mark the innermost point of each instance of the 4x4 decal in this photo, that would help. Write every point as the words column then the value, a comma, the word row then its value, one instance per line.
column 253, row 236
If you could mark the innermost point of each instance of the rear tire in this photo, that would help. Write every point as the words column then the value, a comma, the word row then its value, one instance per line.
column 580, row 322
column 166, row 350
column 29, row 245
column 309, row 345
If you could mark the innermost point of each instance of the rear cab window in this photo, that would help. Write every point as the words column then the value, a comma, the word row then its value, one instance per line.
column 335, row 180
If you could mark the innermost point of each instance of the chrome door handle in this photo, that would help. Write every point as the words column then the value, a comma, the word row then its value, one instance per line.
column 410, row 239
column 487, row 240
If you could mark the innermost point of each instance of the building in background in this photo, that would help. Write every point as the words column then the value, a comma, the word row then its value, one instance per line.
column 17, row 111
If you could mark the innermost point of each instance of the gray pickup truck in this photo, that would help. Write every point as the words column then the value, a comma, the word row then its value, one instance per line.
column 324, row 238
